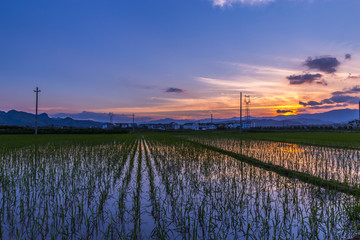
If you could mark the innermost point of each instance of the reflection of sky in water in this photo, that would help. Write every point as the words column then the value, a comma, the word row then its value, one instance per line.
column 80, row 190
column 329, row 163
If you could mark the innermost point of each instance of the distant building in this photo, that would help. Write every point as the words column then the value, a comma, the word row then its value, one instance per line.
column 174, row 126
column 232, row 125
column 159, row 126
column 246, row 125
column 207, row 126
column 108, row 126
column 143, row 126
column 191, row 126
column 126, row 125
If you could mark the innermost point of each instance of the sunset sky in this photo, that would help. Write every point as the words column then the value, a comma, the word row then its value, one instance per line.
column 180, row 58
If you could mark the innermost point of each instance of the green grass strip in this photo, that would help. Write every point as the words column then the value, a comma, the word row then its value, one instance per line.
column 304, row 177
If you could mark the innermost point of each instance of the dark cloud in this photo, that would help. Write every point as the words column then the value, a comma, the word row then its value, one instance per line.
column 348, row 56
column 303, row 103
column 328, row 106
column 327, row 101
column 343, row 99
column 304, row 78
column 322, row 82
column 325, row 64
column 355, row 89
column 174, row 90
column 310, row 103
column 284, row 111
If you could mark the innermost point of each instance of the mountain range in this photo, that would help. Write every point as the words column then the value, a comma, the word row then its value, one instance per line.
column 330, row 117
column 91, row 119
column 17, row 118
column 326, row 118
column 100, row 117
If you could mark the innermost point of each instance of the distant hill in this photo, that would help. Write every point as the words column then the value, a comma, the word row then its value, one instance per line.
column 100, row 117
column 330, row 117
column 326, row 118
column 335, row 116
column 17, row 118
column 87, row 119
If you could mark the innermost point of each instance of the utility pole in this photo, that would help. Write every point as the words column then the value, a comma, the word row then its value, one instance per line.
column 133, row 125
column 212, row 118
column 240, row 112
column 359, row 110
column 37, row 90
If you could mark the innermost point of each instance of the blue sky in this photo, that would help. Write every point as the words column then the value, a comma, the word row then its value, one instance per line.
column 123, row 56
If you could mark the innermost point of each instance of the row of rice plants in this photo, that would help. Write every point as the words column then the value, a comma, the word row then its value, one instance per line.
column 216, row 196
column 337, row 164
column 160, row 187
column 55, row 191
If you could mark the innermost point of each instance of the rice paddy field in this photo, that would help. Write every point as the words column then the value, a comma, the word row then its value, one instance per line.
column 162, row 186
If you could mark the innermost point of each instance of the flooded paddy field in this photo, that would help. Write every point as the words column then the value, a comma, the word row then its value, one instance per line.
column 157, row 186
column 338, row 164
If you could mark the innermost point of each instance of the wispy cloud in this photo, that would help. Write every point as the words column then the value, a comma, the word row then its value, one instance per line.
column 265, row 70
column 353, row 76
column 223, row 3
column 250, row 78
column 269, row 88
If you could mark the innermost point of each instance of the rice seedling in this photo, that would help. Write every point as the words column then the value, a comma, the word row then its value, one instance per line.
column 163, row 187
column 335, row 164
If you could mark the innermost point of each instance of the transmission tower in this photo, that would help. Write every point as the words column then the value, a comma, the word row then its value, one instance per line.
column 133, row 125
column 111, row 117
column 247, row 109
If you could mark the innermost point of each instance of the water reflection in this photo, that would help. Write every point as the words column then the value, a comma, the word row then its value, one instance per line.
column 329, row 163
column 158, row 187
